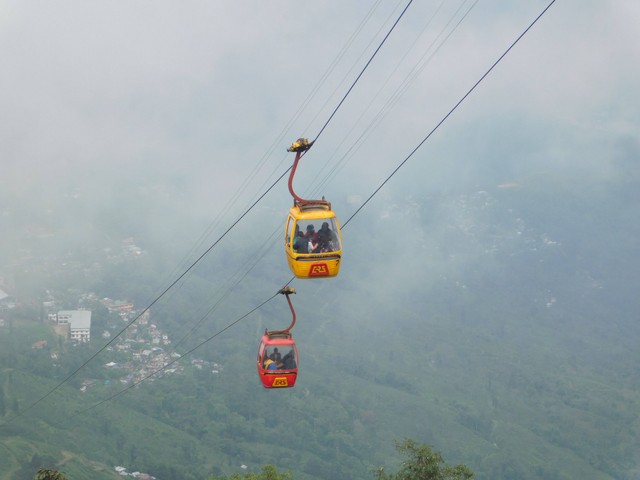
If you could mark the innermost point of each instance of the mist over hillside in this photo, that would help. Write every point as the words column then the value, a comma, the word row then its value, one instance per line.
column 487, row 299
column 466, row 320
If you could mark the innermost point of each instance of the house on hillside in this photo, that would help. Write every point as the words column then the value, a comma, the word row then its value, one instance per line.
column 79, row 322
column 118, row 306
column 6, row 301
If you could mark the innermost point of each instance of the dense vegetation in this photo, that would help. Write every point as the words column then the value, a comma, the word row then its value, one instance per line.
column 512, row 348
column 49, row 474
column 268, row 472
column 423, row 463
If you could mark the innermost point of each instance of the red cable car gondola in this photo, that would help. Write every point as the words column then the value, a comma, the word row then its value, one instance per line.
column 277, row 359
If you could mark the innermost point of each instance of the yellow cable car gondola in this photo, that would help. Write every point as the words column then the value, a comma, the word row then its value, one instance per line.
column 313, row 241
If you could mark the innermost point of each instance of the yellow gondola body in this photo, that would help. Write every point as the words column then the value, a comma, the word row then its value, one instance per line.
column 313, row 241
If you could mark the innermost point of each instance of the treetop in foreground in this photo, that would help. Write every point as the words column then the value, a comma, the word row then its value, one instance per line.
column 268, row 472
column 49, row 474
column 423, row 463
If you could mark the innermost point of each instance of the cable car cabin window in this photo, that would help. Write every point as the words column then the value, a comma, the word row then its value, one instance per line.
column 283, row 357
column 317, row 236
column 290, row 241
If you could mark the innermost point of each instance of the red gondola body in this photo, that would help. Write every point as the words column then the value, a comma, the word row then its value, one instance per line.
column 277, row 359
column 279, row 350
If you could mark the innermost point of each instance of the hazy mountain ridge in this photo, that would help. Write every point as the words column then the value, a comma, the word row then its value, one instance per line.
column 561, row 309
column 481, row 332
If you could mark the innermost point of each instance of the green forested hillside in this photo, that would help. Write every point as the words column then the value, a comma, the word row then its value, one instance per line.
column 519, row 361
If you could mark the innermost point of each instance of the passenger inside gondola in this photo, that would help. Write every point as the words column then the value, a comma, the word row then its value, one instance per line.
column 275, row 356
column 289, row 361
column 326, row 238
column 272, row 360
column 312, row 239
column 275, row 361
column 301, row 244
column 321, row 241
column 271, row 364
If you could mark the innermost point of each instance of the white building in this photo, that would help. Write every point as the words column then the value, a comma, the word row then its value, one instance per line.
column 79, row 322
column 6, row 301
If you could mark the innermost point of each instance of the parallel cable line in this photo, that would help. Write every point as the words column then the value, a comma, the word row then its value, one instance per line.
column 348, row 74
column 362, row 71
column 395, row 97
column 450, row 112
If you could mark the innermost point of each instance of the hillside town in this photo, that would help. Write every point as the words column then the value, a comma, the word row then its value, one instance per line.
column 139, row 348
column 145, row 348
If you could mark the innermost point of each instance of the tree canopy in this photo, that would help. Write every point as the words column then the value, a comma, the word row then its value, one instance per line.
column 268, row 472
column 49, row 474
column 423, row 463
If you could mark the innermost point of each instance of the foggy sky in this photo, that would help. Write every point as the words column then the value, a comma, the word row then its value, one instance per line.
column 184, row 105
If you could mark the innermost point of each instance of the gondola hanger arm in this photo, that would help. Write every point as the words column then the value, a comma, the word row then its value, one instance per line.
column 300, row 147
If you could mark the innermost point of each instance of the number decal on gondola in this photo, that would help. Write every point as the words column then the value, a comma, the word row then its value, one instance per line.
column 280, row 382
column 319, row 270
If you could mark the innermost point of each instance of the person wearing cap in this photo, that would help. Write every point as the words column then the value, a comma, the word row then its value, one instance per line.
column 270, row 364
